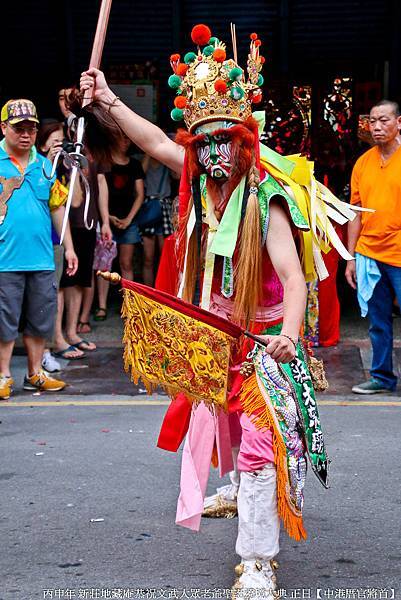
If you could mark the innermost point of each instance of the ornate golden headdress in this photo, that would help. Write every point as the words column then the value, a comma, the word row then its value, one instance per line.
column 211, row 88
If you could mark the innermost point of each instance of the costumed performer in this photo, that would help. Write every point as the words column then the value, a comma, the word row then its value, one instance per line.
column 245, row 218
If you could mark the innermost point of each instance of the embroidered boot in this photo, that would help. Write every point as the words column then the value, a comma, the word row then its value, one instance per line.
column 254, row 575
column 258, row 532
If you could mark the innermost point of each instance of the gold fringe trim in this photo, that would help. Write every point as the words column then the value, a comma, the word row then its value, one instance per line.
column 318, row 374
column 256, row 408
column 221, row 509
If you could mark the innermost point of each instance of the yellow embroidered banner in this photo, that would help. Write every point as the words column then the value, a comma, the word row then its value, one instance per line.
column 164, row 346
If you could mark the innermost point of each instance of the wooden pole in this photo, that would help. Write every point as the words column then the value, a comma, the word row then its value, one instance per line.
column 96, row 57
column 255, row 338
column 98, row 44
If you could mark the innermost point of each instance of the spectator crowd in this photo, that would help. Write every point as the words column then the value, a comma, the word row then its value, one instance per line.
column 49, row 290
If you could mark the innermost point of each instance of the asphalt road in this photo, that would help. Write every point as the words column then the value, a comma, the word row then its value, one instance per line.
column 64, row 465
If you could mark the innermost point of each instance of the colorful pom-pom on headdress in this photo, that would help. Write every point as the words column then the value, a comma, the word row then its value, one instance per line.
column 180, row 102
column 182, row 68
column 219, row 55
column 201, row 35
column 220, row 86
column 211, row 87
column 174, row 61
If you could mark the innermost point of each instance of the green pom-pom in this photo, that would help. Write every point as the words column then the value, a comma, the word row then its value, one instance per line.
column 189, row 58
column 261, row 80
column 236, row 93
column 235, row 73
column 177, row 114
column 174, row 81
column 208, row 50
column 213, row 41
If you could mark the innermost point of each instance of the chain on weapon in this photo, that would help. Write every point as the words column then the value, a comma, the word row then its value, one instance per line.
column 75, row 160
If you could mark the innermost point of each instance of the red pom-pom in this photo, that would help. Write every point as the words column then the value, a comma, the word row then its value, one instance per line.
column 220, row 86
column 201, row 35
column 182, row 68
column 174, row 57
column 258, row 43
column 256, row 98
column 262, row 59
column 219, row 55
column 254, row 36
column 180, row 102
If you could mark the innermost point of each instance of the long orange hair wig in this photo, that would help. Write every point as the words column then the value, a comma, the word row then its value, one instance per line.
column 248, row 255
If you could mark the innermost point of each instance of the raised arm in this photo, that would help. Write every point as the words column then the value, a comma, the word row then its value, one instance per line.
column 150, row 138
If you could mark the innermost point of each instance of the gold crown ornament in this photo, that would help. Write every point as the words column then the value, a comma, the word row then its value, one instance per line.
column 211, row 88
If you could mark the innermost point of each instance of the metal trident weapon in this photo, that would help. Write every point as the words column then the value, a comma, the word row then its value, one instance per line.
column 75, row 160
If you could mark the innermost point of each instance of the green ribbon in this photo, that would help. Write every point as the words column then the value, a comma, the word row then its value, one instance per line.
column 260, row 118
column 280, row 162
column 226, row 236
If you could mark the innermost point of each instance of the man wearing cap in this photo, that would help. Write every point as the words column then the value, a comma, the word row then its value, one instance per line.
column 28, row 203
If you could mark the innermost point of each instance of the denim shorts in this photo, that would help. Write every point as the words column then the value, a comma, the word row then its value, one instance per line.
column 130, row 235
column 29, row 299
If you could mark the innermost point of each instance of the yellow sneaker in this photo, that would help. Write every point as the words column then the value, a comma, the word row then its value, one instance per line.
column 43, row 383
column 6, row 386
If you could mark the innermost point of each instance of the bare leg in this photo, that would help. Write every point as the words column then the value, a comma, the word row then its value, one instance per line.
column 126, row 258
column 34, row 347
column 6, row 351
column 160, row 242
column 59, row 340
column 102, row 292
column 60, row 343
column 87, row 301
column 73, row 299
column 148, row 259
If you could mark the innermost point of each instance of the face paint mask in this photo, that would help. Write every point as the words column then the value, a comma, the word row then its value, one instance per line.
column 215, row 153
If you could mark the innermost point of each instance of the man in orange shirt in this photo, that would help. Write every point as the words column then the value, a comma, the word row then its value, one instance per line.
column 375, row 237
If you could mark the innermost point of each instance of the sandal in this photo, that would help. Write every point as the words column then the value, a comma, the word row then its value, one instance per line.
column 72, row 351
column 100, row 314
column 84, row 346
column 84, row 327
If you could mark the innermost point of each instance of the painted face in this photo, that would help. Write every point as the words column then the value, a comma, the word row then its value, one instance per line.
column 215, row 150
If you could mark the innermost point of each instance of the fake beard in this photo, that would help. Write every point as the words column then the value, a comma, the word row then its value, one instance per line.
column 220, row 168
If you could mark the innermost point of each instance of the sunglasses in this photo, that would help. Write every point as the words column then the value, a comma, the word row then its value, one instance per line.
column 20, row 130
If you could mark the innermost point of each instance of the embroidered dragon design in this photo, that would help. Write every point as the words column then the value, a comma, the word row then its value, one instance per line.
column 7, row 188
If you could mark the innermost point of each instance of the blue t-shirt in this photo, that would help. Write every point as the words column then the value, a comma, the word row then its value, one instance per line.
column 25, row 233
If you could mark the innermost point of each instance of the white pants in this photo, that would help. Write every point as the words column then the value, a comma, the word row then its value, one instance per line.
column 258, row 520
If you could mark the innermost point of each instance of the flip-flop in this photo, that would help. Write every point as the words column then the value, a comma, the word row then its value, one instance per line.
column 62, row 353
column 85, row 342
